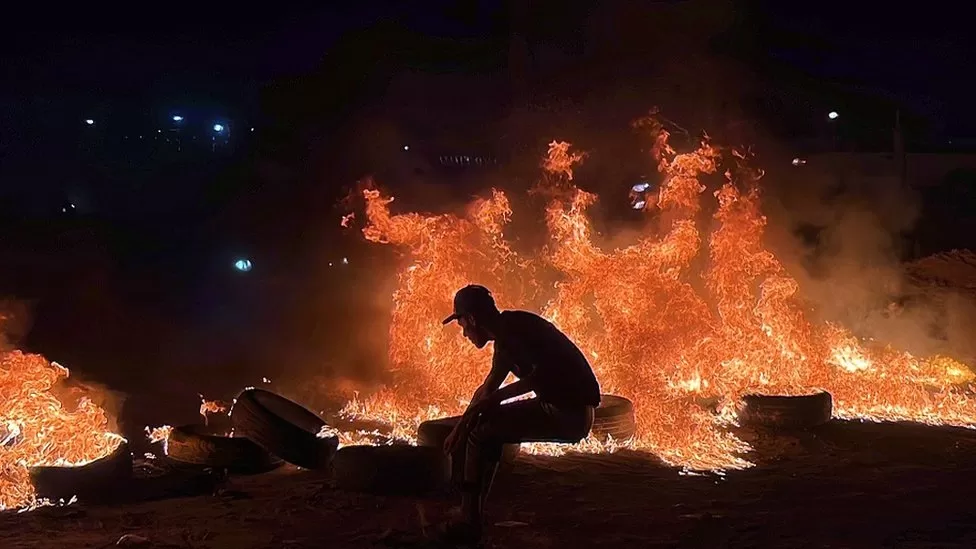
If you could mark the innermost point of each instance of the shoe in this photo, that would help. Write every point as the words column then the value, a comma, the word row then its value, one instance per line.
column 460, row 534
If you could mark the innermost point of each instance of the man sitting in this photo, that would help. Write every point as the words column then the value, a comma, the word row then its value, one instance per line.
column 546, row 362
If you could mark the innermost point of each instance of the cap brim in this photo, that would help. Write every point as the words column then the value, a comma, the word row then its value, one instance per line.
column 450, row 319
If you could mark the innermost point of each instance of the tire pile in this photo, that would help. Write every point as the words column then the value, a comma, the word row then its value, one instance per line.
column 268, row 430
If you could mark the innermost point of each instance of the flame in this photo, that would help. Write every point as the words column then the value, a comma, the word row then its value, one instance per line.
column 208, row 407
column 347, row 220
column 673, row 320
column 37, row 430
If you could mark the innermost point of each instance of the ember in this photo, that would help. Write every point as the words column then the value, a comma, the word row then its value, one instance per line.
column 38, row 430
column 657, row 331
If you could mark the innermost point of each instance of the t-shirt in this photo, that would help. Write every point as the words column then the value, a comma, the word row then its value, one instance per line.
column 528, row 345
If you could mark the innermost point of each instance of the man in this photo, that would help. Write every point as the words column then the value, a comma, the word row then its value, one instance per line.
column 546, row 362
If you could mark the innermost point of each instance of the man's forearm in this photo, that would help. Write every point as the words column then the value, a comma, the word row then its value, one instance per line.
column 513, row 390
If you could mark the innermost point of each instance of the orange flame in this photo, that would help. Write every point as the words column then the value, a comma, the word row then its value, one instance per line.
column 658, row 327
column 38, row 431
column 208, row 407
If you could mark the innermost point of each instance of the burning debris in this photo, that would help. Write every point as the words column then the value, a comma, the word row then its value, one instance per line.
column 658, row 331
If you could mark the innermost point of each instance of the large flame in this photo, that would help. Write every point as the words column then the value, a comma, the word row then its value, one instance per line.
column 675, row 321
column 38, row 430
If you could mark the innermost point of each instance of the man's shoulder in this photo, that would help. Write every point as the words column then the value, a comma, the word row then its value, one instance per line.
column 522, row 320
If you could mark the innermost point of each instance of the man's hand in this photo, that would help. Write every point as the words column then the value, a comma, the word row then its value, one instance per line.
column 460, row 431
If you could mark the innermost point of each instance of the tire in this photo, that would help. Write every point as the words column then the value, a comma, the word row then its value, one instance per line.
column 786, row 412
column 283, row 428
column 197, row 445
column 399, row 469
column 614, row 418
column 99, row 480
column 433, row 433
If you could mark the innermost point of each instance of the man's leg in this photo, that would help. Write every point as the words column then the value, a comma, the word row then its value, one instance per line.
column 521, row 421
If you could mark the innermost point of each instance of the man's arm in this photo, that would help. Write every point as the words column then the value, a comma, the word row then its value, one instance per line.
column 500, row 367
column 512, row 390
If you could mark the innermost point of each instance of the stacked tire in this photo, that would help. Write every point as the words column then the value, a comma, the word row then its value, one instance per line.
column 614, row 419
column 394, row 469
column 200, row 446
column 283, row 428
column 786, row 412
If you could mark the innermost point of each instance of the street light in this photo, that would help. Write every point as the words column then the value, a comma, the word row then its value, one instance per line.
column 832, row 115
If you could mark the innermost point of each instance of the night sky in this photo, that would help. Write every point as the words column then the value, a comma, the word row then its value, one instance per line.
column 227, row 54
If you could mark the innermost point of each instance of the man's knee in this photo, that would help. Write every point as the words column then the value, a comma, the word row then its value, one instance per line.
column 484, row 442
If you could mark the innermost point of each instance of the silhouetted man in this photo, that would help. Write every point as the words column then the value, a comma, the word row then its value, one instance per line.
column 546, row 362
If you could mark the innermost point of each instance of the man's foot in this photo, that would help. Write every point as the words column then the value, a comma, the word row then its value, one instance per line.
column 460, row 533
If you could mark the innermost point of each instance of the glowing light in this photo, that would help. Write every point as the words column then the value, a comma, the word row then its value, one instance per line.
column 345, row 260
column 243, row 265
column 639, row 205
column 406, row 147
column 799, row 161
column 89, row 121
column 218, row 128
column 177, row 118
column 832, row 115
column 641, row 187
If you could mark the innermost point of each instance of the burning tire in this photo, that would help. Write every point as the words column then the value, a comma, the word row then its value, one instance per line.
column 786, row 412
column 96, row 481
column 398, row 469
column 283, row 428
column 197, row 445
column 433, row 433
column 614, row 418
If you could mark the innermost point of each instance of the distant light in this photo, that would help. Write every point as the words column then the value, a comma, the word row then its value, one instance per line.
column 89, row 121
column 252, row 128
column 799, row 161
column 218, row 128
column 641, row 187
column 177, row 118
column 406, row 147
column 345, row 260
column 243, row 265
column 639, row 205
column 832, row 115
column 159, row 131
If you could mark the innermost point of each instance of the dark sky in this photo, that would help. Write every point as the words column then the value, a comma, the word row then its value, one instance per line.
column 912, row 53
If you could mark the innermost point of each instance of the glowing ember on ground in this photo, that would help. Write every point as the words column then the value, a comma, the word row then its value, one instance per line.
column 38, row 430
column 659, row 330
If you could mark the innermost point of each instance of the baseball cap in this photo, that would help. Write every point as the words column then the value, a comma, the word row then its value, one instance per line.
column 470, row 299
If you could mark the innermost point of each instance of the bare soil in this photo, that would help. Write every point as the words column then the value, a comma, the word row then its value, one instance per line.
column 846, row 485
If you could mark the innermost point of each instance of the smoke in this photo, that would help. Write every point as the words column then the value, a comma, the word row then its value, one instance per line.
column 844, row 239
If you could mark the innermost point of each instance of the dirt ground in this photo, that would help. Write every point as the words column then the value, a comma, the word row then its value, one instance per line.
column 845, row 485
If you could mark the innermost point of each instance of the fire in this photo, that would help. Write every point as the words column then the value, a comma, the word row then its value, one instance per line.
column 160, row 434
column 37, row 430
column 673, row 320
column 208, row 407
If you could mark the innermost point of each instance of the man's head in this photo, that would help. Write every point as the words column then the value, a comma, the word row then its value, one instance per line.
column 475, row 311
